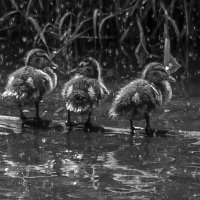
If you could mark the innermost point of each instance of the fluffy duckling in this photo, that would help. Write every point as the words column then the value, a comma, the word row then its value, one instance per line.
column 85, row 90
column 140, row 97
column 29, row 84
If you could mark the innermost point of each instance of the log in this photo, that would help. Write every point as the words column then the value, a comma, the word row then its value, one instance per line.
column 11, row 124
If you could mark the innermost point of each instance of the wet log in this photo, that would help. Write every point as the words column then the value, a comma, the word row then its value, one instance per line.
column 10, row 124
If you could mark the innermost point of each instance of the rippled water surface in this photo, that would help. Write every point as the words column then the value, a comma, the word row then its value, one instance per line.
column 62, row 164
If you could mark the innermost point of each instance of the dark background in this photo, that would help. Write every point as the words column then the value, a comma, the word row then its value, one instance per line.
column 123, row 35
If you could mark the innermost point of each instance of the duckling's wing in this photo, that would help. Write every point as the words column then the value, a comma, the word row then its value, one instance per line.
column 150, row 94
column 25, row 84
column 137, row 96
column 81, row 94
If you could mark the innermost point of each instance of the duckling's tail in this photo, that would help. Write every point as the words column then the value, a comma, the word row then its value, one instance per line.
column 71, row 106
column 78, row 102
column 12, row 94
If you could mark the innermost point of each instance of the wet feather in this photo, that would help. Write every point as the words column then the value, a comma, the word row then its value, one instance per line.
column 86, row 89
column 143, row 95
column 30, row 83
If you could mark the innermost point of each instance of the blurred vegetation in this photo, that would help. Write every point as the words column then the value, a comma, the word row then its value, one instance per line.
column 121, row 34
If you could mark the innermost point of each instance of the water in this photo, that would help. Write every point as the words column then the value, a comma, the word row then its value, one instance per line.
column 58, row 164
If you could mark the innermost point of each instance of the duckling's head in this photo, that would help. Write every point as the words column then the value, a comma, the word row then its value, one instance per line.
column 155, row 73
column 38, row 58
column 89, row 67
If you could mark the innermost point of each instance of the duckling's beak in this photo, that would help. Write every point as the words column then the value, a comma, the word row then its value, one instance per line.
column 77, row 69
column 171, row 79
column 74, row 71
column 83, row 64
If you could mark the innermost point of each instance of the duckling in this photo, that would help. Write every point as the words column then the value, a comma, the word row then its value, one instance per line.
column 85, row 90
column 140, row 97
column 29, row 84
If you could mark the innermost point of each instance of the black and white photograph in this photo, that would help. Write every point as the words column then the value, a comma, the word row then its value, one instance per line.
column 99, row 100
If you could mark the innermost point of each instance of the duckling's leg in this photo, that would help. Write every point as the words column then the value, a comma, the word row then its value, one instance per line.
column 68, row 122
column 22, row 116
column 148, row 126
column 37, row 111
column 68, row 116
column 132, row 127
column 88, row 123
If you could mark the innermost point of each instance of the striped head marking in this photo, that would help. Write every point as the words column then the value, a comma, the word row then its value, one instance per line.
column 38, row 58
column 89, row 67
column 156, row 73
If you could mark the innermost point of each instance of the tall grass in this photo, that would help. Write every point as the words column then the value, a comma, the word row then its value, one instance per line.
column 131, row 30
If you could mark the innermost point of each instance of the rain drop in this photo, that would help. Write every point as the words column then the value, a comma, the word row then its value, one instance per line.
column 1, row 59
column 24, row 39
column 190, row 54
column 116, row 52
column 21, row 50
column 21, row 5
column 3, row 46
column 57, row 10
column 109, row 51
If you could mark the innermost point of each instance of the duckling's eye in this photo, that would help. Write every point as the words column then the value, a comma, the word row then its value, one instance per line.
column 37, row 60
column 155, row 74
column 166, row 76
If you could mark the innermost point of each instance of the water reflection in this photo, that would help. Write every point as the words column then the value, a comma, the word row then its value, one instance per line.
column 49, row 164
column 77, row 165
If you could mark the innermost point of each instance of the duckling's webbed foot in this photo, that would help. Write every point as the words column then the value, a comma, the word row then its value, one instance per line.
column 69, row 123
column 39, row 120
column 22, row 116
column 37, row 123
column 88, row 124
column 148, row 128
